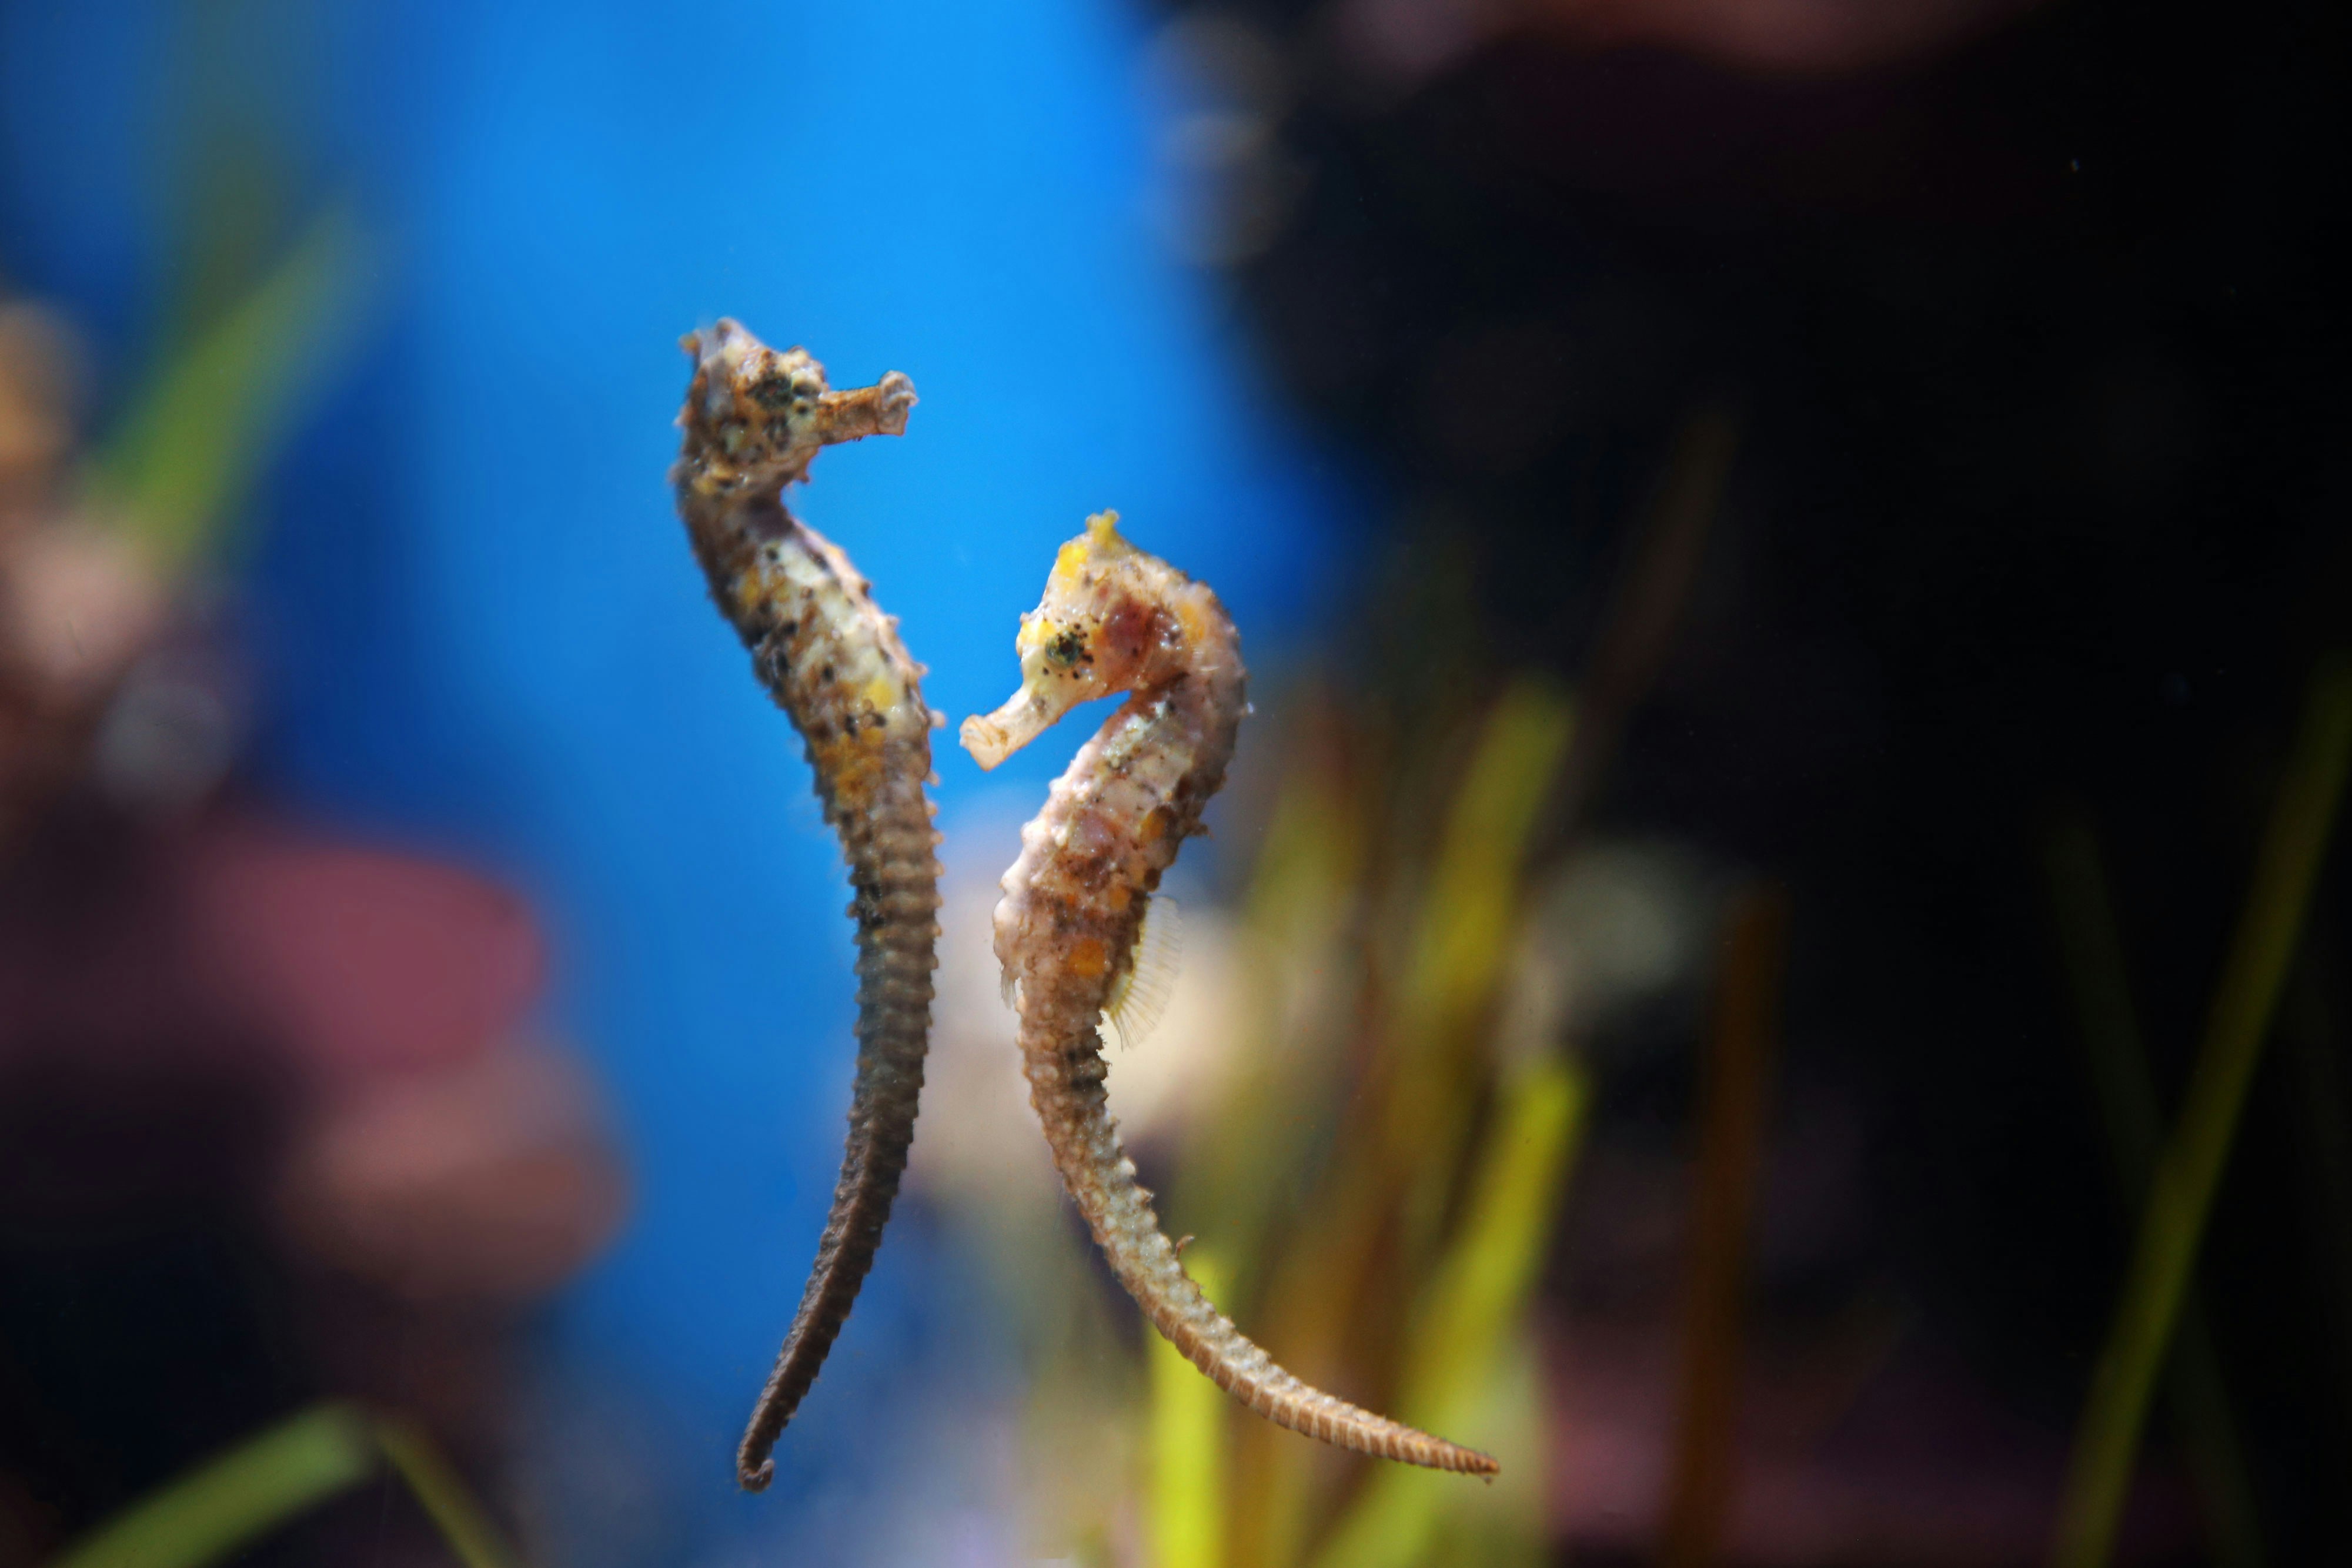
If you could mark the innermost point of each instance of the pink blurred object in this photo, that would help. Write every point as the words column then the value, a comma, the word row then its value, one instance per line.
column 449, row 1154
column 486, row 1180
column 368, row 964
column 1806, row 38
column 1406, row 42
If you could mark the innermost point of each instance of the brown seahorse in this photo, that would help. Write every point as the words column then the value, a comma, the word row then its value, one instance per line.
column 754, row 418
column 1116, row 619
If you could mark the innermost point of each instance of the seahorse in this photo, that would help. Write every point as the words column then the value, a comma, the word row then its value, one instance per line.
column 1116, row 620
column 754, row 418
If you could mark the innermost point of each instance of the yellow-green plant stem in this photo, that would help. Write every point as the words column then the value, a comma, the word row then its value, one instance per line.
column 196, row 436
column 1472, row 898
column 1463, row 944
column 1396, row 1167
column 1188, row 1446
column 1469, row 1322
column 268, row 1481
column 2132, row 1117
column 230, row 1502
column 1740, row 1060
column 2189, row 1170
column 443, row 1496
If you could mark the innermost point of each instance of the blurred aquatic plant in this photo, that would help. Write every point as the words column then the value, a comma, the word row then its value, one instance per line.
column 96, row 551
column 2189, row 1168
column 1470, row 1353
column 1389, row 1247
column 1731, row 1131
column 460, row 1518
column 187, row 451
column 2133, row 1121
column 1188, row 1451
column 1364, row 1233
column 272, row 1479
column 236, row 1498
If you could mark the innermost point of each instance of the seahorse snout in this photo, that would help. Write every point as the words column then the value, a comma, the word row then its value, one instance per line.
column 992, row 738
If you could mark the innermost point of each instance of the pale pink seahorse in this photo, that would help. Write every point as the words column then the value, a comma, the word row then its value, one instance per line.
column 1114, row 619
column 754, row 418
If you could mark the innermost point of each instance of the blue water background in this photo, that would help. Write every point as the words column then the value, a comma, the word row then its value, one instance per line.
column 481, row 629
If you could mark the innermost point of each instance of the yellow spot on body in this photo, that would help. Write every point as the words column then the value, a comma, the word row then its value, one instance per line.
column 853, row 766
column 1190, row 617
column 1088, row 959
column 1118, row 898
column 1154, row 828
column 881, row 692
column 1102, row 531
column 1070, row 561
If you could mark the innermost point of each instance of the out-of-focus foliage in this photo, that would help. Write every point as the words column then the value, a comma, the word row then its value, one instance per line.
column 197, row 435
column 444, row 1495
column 2123, row 1086
column 97, row 550
column 1188, row 1449
column 227, row 1504
column 268, row 1480
column 2189, row 1169
column 1472, row 1366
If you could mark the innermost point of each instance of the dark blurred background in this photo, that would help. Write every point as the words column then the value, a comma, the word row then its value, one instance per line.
column 1783, row 547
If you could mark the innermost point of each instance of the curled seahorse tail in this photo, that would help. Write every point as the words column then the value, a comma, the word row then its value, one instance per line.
column 1065, row 1084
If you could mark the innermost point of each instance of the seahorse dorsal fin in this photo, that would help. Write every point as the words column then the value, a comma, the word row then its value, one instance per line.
column 1138, row 997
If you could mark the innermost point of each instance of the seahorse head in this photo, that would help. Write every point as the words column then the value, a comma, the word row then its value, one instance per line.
column 1113, row 619
column 767, row 414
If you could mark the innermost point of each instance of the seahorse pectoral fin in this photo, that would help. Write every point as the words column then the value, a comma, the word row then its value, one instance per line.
column 1138, row 997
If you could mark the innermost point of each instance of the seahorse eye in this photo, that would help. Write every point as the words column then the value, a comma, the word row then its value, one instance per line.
column 1065, row 649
